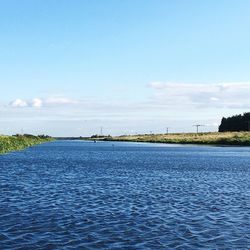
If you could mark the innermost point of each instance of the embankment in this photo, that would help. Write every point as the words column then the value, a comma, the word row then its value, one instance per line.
column 13, row 143
column 227, row 138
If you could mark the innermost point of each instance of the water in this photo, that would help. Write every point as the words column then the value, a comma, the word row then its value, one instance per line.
column 106, row 195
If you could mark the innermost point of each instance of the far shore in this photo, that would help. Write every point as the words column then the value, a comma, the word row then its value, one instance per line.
column 213, row 138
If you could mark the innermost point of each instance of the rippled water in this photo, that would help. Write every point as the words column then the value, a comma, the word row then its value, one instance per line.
column 106, row 195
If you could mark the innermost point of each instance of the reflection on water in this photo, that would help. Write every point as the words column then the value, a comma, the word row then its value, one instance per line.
column 84, row 195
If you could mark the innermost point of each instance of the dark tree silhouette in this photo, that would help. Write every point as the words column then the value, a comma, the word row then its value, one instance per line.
column 235, row 123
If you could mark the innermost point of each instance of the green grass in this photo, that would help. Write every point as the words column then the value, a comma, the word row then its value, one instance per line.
column 226, row 138
column 13, row 143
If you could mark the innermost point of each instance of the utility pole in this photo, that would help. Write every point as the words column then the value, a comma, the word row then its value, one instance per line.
column 167, row 130
column 101, row 130
column 197, row 127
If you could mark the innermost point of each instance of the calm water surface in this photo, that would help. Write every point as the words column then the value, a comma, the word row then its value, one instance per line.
column 106, row 195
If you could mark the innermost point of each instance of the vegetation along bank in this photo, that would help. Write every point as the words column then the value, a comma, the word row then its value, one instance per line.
column 226, row 138
column 19, row 142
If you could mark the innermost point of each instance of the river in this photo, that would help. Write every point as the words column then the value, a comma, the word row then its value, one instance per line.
column 119, row 195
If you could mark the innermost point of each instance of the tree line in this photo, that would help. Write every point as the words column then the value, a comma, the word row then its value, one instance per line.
column 235, row 123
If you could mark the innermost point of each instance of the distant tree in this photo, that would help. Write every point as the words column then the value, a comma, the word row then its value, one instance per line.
column 44, row 136
column 235, row 123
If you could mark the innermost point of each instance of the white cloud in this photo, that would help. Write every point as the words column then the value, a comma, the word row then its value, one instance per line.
column 214, row 99
column 216, row 95
column 36, row 103
column 18, row 103
column 59, row 100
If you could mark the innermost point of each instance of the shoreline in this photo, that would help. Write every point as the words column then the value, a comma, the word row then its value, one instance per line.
column 241, row 139
column 184, row 143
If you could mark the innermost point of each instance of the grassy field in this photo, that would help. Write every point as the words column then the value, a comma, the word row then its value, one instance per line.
column 227, row 138
column 13, row 143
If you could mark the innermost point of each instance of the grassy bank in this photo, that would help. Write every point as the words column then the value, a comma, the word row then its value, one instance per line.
column 13, row 143
column 227, row 138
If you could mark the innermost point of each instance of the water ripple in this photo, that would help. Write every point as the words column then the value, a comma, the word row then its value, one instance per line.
column 83, row 195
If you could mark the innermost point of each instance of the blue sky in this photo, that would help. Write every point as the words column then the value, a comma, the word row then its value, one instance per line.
column 70, row 67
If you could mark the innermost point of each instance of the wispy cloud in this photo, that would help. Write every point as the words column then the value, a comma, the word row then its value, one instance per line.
column 164, row 94
column 234, row 95
column 175, row 96
column 58, row 100
column 172, row 104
